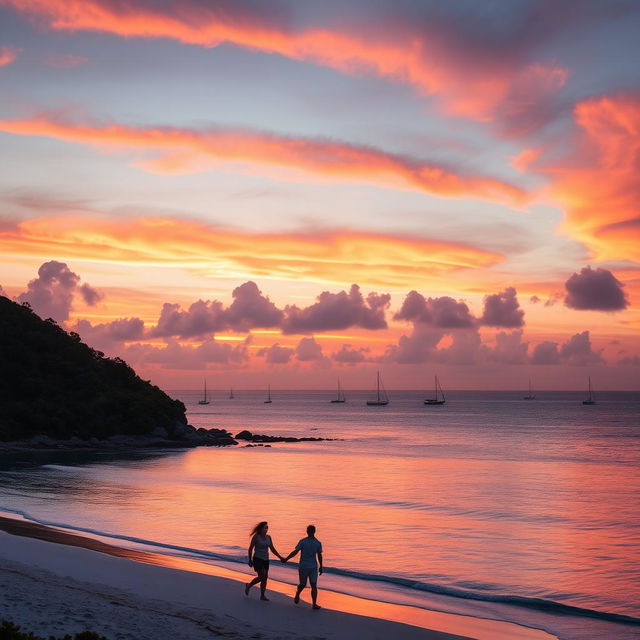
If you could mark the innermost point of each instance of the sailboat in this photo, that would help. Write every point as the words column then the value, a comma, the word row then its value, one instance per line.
column 590, row 399
column 340, row 397
column 381, row 397
column 204, row 397
column 530, row 396
column 436, row 399
column 231, row 396
column 268, row 400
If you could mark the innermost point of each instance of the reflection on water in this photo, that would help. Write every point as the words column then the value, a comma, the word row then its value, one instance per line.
column 487, row 495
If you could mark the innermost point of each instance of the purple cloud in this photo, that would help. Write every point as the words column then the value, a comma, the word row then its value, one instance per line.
column 578, row 351
column 443, row 312
column 106, row 334
column 595, row 290
column 509, row 348
column 251, row 309
column 90, row 295
column 309, row 350
column 546, row 353
column 201, row 318
column 418, row 347
column 275, row 354
column 341, row 310
column 178, row 356
column 502, row 310
column 51, row 293
column 347, row 355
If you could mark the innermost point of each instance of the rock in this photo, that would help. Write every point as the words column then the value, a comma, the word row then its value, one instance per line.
column 257, row 437
column 181, row 431
column 159, row 432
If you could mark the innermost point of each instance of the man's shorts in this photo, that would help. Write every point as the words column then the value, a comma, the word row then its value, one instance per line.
column 305, row 573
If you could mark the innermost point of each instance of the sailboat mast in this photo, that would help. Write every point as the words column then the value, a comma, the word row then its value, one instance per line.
column 378, row 386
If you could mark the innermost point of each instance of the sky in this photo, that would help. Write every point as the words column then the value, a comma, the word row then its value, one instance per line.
column 290, row 193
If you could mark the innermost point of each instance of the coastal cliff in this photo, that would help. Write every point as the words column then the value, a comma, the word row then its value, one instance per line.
column 53, row 387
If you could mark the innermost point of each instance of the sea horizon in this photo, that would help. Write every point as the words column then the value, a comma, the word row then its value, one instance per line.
column 459, row 478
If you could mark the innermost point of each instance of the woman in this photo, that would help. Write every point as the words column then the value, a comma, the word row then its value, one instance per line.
column 259, row 557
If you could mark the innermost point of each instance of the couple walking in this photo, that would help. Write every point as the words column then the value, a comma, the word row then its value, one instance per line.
column 309, row 548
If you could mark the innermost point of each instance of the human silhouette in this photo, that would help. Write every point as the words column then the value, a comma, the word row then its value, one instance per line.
column 259, row 557
column 310, row 548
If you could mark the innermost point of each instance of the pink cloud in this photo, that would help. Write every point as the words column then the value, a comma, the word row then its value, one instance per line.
column 308, row 350
column 175, row 355
column 181, row 150
column 8, row 55
column 481, row 78
column 108, row 334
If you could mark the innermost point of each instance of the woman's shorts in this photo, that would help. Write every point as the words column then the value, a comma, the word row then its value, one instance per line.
column 260, row 565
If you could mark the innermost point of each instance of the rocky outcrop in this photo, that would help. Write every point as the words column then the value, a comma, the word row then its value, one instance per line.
column 183, row 436
column 256, row 437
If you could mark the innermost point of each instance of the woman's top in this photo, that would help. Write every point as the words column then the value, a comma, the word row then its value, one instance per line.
column 261, row 546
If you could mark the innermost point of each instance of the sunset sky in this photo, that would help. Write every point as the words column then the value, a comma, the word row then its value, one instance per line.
column 293, row 192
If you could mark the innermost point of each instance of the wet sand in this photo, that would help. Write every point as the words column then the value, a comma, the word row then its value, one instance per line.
column 67, row 580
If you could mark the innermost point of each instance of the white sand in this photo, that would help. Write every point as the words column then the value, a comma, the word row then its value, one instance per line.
column 52, row 588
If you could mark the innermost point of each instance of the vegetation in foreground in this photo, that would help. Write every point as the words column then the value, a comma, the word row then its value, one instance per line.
column 10, row 631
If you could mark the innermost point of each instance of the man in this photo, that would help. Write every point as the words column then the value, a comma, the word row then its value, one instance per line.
column 309, row 548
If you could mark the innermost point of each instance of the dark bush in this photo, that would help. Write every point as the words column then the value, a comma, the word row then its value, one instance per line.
column 10, row 631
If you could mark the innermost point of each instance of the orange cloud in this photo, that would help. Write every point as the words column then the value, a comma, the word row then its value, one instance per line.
column 599, row 183
column 523, row 160
column 8, row 55
column 187, row 150
column 329, row 256
column 471, row 82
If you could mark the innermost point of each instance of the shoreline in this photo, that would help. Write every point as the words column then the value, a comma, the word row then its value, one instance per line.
column 84, row 559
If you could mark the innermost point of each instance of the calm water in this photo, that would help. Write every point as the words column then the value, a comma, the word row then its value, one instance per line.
column 488, row 496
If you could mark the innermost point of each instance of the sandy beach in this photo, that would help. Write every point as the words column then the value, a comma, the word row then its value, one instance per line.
column 53, row 586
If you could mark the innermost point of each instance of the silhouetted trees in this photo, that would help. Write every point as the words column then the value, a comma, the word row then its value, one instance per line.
column 51, row 383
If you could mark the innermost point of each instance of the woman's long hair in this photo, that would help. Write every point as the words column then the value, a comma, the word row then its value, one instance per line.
column 257, row 528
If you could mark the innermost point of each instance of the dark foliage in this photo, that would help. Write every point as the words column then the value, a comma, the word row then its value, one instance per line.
column 10, row 631
column 53, row 384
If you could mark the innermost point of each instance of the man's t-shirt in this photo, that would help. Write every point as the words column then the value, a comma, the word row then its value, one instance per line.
column 308, row 548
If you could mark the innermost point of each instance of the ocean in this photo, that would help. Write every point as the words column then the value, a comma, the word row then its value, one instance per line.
column 490, row 504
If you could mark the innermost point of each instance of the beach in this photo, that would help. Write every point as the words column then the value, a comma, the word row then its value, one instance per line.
column 53, row 586
column 467, row 521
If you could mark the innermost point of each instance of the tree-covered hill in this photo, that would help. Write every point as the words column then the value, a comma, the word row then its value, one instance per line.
column 53, row 384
